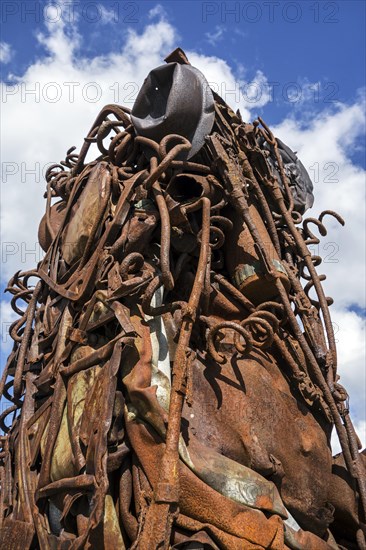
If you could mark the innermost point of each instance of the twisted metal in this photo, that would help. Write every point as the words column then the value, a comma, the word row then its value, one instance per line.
column 124, row 262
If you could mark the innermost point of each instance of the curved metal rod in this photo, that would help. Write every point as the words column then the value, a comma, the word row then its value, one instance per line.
column 261, row 332
column 25, row 342
column 166, row 275
column 185, row 145
column 3, row 416
column 110, row 109
column 217, row 233
column 103, row 131
column 239, row 330
column 333, row 214
column 123, row 148
column 309, row 237
column 135, row 260
column 21, row 295
column 148, row 309
column 272, row 140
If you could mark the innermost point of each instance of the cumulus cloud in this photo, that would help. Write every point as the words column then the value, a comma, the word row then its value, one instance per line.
column 105, row 15
column 325, row 145
column 216, row 36
column 302, row 91
column 240, row 93
column 6, row 52
column 49, row 108
column 55, row 101
column 157, row 11
column 350, row 337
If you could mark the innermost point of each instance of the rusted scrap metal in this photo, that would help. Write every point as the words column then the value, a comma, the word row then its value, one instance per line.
column 172, row 379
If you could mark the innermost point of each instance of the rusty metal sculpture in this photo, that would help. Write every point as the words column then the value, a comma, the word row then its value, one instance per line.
column 173, row 384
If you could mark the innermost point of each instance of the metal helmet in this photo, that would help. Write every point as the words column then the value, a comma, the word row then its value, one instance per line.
column 175, row 99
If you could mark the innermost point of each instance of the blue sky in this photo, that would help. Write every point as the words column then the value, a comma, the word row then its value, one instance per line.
column 289, row 41
column 300, row 65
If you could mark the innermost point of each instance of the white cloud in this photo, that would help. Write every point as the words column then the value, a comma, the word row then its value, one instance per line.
column 350, row 337
column 61, row 40
column 302, row 91
column 216, row 36
column 243, row 94
column 157, row 11
column 106, row 15
column 7, row 317
column 53, row 103
column 6, row 52
column 324, row 147
column 51, row 107
column 360, row 428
